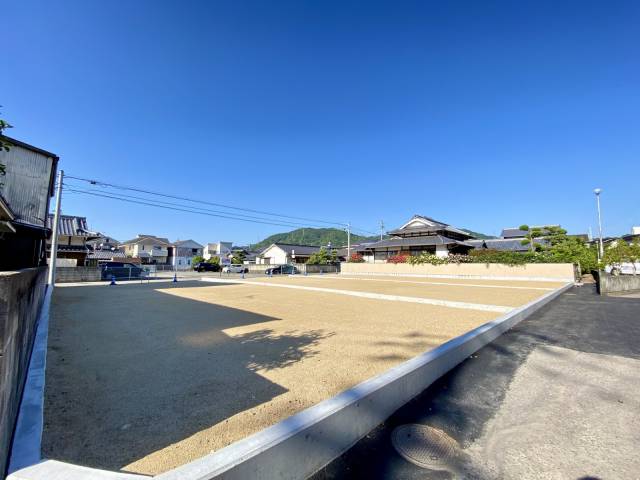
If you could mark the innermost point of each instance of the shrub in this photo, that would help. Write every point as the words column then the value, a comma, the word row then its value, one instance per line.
column 398, row 259
column 356, row 258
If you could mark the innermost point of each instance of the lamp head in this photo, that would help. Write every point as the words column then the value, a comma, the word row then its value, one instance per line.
column 597, row 191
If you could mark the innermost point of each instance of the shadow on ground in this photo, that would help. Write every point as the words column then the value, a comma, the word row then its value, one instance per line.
column 132, row 370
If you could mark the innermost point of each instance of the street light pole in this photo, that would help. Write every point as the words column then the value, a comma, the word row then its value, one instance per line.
column 601, row 247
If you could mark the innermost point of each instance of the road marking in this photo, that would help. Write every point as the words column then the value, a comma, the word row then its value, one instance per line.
column 548, row 289
column 375, row 296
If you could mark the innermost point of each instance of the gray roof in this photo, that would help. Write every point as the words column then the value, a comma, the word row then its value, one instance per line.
column 180, row 243
column 437, row 225
column 517, row 233
column 504, row 244
column 429, row 240
column 513, row 233
column 106, row 254
column 142, row 238
column 72, row 226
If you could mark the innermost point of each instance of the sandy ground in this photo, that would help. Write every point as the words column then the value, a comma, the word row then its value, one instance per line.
column 146, row 377
column 458, row 293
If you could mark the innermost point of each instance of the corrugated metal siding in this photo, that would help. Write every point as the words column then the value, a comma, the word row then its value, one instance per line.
column 26, row 184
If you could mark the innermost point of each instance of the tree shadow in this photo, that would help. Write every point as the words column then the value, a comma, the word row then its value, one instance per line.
column 132, row 370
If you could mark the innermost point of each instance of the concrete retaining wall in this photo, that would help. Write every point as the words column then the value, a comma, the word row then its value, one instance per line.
column 77, row 274
column 21, row 295
column 621, row 283
column 530, row 271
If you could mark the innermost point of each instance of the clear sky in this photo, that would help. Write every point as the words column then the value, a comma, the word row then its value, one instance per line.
column 481, row 114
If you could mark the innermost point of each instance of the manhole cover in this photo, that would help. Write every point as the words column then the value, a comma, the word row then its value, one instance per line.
column 424, row 446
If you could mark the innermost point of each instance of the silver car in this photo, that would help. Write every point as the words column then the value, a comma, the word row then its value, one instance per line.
column 235, row 268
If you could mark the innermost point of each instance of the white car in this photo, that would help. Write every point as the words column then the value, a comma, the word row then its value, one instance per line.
column 235, row 268
column 626, row 268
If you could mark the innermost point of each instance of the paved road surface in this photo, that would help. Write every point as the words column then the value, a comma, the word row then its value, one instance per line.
column 554, row 398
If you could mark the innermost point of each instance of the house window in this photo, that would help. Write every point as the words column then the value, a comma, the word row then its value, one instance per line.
column 142, row 247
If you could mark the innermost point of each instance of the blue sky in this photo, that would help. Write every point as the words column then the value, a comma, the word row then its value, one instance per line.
column 480, row 114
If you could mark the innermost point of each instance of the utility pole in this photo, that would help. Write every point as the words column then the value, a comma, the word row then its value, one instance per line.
column 348, row 241
column 54, row 241
column 381, row 229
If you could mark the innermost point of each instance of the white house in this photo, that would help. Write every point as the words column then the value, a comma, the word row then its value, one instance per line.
column 420, row 234
column 222, row 250
column 183, row 253
column 284, row 253
column 148, row 248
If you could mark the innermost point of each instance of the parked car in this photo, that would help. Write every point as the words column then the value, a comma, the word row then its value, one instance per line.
column 626, row 268
column 235, row 268
column 206, row 267
column 120, row 270
column 282, row 270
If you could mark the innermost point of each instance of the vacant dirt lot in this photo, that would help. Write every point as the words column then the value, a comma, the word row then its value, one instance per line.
column 146, row 377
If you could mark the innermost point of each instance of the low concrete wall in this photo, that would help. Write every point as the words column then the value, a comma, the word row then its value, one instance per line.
column 77, row 274
column 21, row 295
column 621, row 283
column 530, row 271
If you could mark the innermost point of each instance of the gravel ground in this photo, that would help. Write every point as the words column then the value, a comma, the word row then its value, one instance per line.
column 146, row 377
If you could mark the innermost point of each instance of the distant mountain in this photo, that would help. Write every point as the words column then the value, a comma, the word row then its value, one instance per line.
column 312, row 236
column 481, row 236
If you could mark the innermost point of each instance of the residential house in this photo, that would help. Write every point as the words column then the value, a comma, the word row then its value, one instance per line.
column 104, row 249
column 183, row 253
column 149, row 249
column 515, row 232
column 73, row 234
column 419, row 234
column 502, row 244
column 285, row 253
column 511, row 239
column 25, row 193
column 222, row 250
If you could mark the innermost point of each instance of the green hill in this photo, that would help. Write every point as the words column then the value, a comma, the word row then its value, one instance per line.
column 311, row 236
column 481, row 236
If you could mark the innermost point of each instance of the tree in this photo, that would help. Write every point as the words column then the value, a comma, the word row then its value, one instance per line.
column 634, row 254
column 551, row 234
column 214, row 260
column 573, row 250
column 238, row 256
column 197, row 259
column 321, row 257
column 620, row 252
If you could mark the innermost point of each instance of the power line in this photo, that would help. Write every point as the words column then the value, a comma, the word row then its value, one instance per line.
column 176, row 197
column 188, row 210
column 238, row 216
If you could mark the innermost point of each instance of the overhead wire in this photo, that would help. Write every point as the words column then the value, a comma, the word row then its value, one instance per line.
column 215, row 204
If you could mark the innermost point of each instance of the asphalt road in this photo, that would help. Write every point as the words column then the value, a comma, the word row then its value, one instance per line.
column 555, row 397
